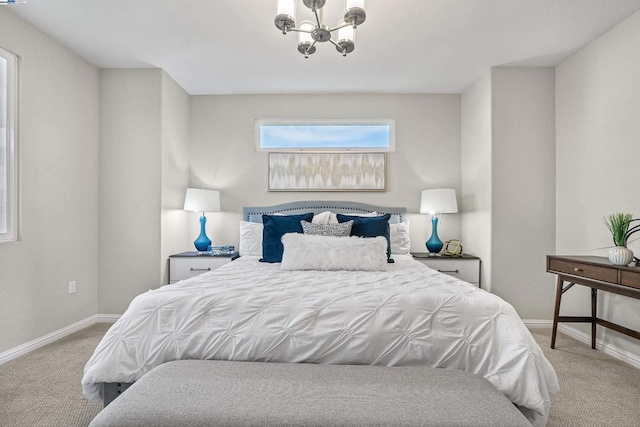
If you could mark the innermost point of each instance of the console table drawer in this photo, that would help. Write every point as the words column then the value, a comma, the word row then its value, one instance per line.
column 584, row 270
column 630, row 278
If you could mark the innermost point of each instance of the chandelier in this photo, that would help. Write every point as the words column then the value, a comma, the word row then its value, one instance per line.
column 310, row 33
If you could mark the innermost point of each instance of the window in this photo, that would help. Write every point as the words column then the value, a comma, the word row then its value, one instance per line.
column 8, row 180
column 325, row 135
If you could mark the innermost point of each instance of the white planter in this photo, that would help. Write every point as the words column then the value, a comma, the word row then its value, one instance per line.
column 620, row 255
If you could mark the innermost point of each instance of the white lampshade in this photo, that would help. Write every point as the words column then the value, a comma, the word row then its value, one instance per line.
column 440, row 200
column 354, row 12
column 354, row 3
column 305, row 37
column 346, row 33
column 286, row 7
column 200, row 200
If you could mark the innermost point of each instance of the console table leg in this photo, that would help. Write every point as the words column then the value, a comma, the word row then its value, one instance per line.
column 556, row 312
column 594, row 313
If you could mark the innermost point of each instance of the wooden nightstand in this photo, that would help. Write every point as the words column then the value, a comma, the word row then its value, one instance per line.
column 465, row 267
column 189, row 264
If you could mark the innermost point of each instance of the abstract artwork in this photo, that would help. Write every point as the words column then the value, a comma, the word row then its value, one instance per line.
column 327, row 172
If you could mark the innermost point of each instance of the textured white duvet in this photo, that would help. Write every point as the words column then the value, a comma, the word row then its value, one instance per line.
column 408, row 315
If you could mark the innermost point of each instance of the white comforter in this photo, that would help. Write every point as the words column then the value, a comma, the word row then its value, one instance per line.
column 409, row 315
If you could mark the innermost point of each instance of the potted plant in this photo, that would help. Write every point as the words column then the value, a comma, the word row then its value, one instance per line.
column 619, row 224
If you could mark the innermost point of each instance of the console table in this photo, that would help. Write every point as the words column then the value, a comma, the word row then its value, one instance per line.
column 596, row 273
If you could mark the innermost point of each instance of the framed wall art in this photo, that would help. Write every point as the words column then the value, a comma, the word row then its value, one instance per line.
column 327, row 172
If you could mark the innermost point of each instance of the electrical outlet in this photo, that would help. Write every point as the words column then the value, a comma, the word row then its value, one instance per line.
column 72, row 287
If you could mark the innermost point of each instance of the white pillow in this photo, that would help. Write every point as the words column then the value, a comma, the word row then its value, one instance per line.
column 370, row 214
column 328, row 217
column 325, row 217
column 330, row 253
column 250, row 238
column 399, row 237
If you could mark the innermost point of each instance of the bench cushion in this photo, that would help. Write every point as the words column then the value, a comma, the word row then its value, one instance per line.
column 221, row 393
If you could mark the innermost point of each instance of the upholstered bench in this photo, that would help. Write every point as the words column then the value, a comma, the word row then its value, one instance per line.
column 217, row 393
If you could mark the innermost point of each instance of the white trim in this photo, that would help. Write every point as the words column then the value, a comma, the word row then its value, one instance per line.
column 537, row 323
column 107, row 318
column 605, row 347
column 11, row 208
column 23, row 349
column 26, row 348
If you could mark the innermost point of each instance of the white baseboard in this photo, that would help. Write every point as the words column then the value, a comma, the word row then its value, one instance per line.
column 23, row 349
column 44, row 340
column 605, row 347
column 107, row 318
column 537, row 323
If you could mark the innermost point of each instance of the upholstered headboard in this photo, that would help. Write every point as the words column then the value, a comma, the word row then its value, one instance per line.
column 254, row 214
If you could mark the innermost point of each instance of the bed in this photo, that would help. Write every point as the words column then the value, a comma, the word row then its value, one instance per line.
column 406, row 315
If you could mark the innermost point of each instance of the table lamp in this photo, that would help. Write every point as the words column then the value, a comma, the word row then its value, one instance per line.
column 440, row 200
column 201, row 200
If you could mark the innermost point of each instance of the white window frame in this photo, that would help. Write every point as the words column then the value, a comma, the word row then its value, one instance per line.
column 11, row 233
column 326, row 122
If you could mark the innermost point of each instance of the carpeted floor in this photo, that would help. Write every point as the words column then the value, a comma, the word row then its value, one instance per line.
column 595, row 389
column 43, row 387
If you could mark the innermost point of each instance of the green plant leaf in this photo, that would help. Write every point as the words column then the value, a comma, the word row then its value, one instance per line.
column 618, row 225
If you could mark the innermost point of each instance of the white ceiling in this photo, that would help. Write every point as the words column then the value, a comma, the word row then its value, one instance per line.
column 405, row 46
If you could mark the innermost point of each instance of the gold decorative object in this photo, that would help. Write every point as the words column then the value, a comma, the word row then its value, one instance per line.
column 452, row 248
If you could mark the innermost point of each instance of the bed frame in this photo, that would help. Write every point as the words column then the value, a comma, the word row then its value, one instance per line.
column 254, row 214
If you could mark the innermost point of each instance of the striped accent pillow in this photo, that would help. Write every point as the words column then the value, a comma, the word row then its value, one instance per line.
column 338, row 230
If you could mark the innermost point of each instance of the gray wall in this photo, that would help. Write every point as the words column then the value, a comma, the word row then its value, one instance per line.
column 130, row 193
column 476, row 174
column 598, row 136
column 58, row 148
column 143, row 174
column 223, row 157
column 523, row 186
column 174, row 236
column 508, row 184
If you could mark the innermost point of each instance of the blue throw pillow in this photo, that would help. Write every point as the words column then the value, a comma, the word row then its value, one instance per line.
column 373, row 226
column 276, row 226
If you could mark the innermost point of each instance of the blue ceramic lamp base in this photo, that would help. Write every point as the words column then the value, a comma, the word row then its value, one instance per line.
column 434, row 244
column 202, row 242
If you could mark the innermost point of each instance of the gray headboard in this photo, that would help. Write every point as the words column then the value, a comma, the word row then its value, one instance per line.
column 254, row 214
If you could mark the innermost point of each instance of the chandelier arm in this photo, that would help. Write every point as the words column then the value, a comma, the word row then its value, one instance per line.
column 315, row 11
column 341, row 49
column 306, row 51
column 341, row 26
column 297, row 30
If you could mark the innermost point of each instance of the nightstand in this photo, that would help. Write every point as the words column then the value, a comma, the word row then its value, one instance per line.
column 465, row 267
column 189, row 264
